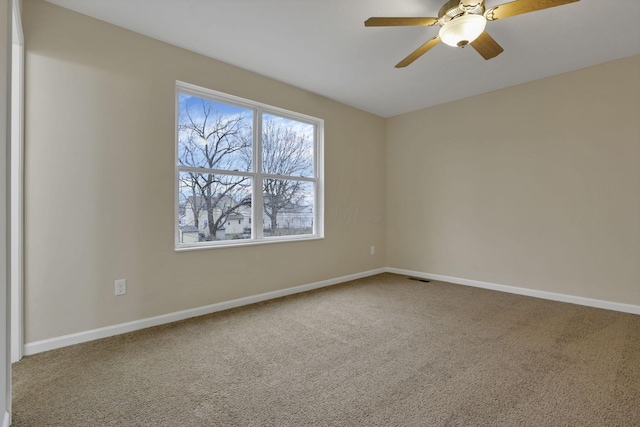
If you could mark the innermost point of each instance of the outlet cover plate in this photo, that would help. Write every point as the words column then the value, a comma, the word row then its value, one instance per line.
column 121, row 286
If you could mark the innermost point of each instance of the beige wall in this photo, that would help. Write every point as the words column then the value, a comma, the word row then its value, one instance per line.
column 535, row 186
column 99, row 185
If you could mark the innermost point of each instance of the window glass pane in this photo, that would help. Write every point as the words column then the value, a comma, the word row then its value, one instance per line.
column 288, row 207
column 287, row 146
column 213, row 207
column 216, row 147
column 213, row 135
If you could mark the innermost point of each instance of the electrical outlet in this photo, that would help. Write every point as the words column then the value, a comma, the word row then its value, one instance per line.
column 121, row 286
column 373, row 250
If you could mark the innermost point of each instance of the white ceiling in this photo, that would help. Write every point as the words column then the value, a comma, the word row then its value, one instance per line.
column 322, row 45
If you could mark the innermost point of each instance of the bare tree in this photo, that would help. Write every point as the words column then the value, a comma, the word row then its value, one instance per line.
column 210, row 140
column 223, row 142
column 284, row 152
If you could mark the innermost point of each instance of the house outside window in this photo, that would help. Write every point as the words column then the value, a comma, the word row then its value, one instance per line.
column 238, row 160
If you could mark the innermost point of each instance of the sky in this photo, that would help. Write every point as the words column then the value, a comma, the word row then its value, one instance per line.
column 194, row 104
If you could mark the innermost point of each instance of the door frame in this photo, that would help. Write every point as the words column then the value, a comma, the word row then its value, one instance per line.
column 17, row 185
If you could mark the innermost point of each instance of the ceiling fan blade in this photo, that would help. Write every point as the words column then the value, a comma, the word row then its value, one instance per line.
column 519, row 7
column 418, row 52
column 486, row 46
column 400, row 22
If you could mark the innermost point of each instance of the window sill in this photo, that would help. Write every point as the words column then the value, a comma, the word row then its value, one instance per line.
column 235, row 244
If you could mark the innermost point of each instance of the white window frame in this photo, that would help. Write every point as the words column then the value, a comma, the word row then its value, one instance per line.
column 257, row 176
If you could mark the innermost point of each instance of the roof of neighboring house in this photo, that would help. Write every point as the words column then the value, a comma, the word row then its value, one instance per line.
column 200, row 201
column 189, row 229
column 297, row 209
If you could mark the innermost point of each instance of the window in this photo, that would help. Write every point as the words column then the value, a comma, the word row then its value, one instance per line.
column 240, row 160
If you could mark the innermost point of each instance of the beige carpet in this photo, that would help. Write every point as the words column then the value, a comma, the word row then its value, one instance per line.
column 380, row 351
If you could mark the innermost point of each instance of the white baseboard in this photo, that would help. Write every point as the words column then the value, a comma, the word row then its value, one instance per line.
column 94, row 334
column 608, row 305
column 122, row 328
column 7, row 419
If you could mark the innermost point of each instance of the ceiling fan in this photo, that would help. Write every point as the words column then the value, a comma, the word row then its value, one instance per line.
column 462, row 22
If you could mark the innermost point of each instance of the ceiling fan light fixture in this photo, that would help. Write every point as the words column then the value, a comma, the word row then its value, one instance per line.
column 462, row 30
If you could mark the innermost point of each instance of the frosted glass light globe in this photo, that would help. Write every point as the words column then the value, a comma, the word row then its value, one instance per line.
column 462, row 30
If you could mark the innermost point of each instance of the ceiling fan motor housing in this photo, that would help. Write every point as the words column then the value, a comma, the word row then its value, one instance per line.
column 455, row 8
